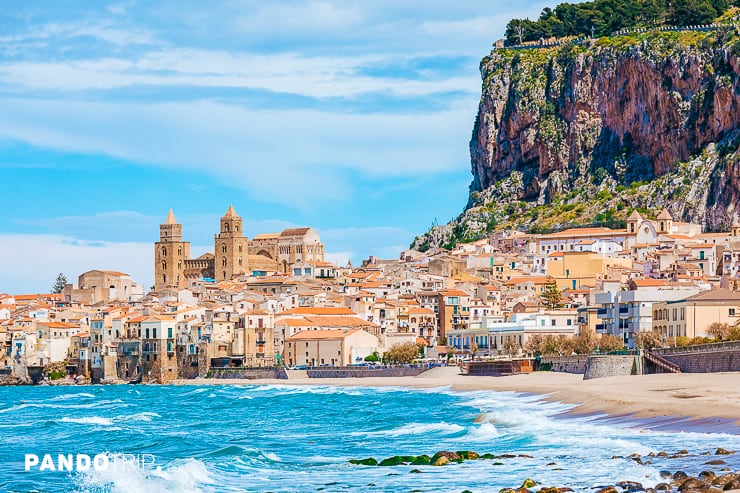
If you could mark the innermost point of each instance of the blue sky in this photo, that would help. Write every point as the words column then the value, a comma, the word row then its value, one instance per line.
column 350, row 117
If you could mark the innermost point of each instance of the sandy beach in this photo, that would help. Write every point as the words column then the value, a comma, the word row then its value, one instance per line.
column 700, row 396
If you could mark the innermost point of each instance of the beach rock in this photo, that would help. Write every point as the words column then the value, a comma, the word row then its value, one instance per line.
column 564, row 490
column 551, row 464
column 529, row 483
column 551, row 489
column 364, row 462
column 441, row 461
column 707, row 475
column 396, row 460
column 724, row 479
column 682, row 452
column 506, row 490
column 721, row 451
column 608, row 489
column 732, row 485
column 680, row 476
column 663, row 487
column 421, row 460
column 693, row 484
column 415, row 471
column 522, row 490
column 508, row 456
column 526, row 456
column 443, row 453
column 467, row 454
column 666, row 474
column 662, row 454
column 715, row 462
column 651, row 490
column 631, row 486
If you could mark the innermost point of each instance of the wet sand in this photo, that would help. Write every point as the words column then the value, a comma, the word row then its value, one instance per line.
column 707, row 400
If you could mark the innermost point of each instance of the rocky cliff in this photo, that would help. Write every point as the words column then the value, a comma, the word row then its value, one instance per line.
column 582, row 133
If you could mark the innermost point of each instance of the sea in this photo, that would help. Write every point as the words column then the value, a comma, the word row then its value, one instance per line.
column 283, row 438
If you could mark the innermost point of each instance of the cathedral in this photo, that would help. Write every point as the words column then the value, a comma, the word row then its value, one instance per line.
column 234, row 255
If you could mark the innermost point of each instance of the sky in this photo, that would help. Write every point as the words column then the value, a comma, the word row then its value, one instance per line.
column 351, row 117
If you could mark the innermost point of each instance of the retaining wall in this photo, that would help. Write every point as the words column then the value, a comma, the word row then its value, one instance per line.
column 363, row 372
column 704, row 358
column 566, row 364
column 248, row 373
column 600, row 366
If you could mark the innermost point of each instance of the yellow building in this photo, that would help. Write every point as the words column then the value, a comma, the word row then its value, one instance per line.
column 574, row 269
column 691, row 317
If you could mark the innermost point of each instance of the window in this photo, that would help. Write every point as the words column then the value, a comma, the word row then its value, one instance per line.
column 146, row 331
column 154, row 332
column 169, row 332
column 732, row 312
column 569, row 322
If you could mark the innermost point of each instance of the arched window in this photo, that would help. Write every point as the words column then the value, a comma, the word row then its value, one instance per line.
column 227, row 227
column 240, row 261
column 224, row 274
column 146, row 347
column 240, row 249
column 223, row 261
column 223, row 248
column 164, row 265
column 179, row 265
column 164, row 252
column 179, row 250
column 236, row 227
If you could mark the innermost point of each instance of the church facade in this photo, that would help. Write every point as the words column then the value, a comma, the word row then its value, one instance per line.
column 234, row 255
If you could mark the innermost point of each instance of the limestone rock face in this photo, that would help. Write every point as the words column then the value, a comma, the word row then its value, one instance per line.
column 655, row 113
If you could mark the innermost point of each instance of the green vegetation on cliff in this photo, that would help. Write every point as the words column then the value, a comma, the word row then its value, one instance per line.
column 602, row 17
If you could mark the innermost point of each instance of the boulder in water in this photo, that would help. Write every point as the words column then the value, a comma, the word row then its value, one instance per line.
column 467, row 454
column 364, row 462
column 529, row 483
column 442, row 460
column 693, row 484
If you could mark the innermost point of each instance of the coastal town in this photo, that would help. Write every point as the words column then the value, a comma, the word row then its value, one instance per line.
column 273, row 301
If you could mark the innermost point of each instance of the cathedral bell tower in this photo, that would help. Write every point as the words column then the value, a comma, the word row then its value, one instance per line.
column 170, row 253
column 231, row 248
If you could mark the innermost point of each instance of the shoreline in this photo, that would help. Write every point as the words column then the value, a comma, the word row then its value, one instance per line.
column 706, row 400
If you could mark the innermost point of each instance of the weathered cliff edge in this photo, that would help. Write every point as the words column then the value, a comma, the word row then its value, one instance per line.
column 583, row 133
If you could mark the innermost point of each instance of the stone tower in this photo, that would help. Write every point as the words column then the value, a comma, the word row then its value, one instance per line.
column 231, row 248
column 170, row 253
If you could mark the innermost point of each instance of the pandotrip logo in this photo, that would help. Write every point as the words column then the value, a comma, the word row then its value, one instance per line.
column 85, row 462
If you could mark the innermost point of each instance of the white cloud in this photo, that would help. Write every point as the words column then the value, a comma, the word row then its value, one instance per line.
column 288, row 156
column 30, row 263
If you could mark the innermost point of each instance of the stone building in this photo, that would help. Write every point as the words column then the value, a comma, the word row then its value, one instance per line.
column 234, row 254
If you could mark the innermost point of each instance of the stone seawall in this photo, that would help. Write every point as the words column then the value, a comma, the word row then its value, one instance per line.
column 704, row 358
column 363, row 372
column 709, row 362
column 566, row 364
column 610, row 366
column 248, row 373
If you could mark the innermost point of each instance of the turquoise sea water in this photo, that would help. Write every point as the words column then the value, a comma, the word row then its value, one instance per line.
column 289, row 438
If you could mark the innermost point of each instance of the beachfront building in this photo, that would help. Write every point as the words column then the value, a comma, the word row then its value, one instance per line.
column 329, row 347
column 692, row 316
column 521, row 326
column 627, row 313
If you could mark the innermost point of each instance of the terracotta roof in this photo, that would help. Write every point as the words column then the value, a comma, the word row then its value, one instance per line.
column 645, row 283
column 266, row 236
column 664, row 214
column 295, row 232
column 319, row 310
column 634, row 216
column 721, row 294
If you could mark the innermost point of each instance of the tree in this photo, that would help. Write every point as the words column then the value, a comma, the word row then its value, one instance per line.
column 534, row 345
column 402, row 353
column 610, row 343
column 511, row 347
column 551, row 297
column 372, row 357
column 719, row 331
column 584, row 343
column 59, row 284
column 648, row 340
